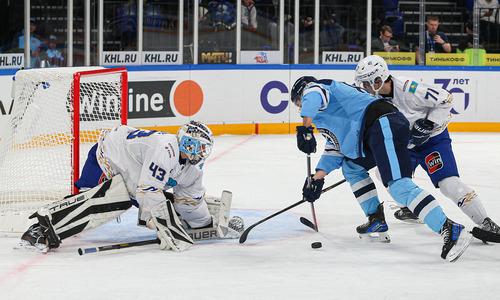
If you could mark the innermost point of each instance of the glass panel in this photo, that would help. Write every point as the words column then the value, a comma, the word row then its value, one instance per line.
column 388, row 31
column 217, row 31
column 120, row 25
column 306, row 32
column 289, row 32
column 48, row 28
column 342, row 28
column 161, row 25
column 78, row 33
column 188, row 31
column 11, row 35
column 259, row 25
column 489, row 26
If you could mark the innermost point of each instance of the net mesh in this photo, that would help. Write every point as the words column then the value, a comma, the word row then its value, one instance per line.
column 36, row 164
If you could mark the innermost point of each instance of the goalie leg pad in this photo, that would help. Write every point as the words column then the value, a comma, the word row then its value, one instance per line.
column 84, row 211
column 169, row 228
column 225, row 226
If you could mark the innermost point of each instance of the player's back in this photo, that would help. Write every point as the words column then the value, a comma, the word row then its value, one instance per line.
column 341, row 116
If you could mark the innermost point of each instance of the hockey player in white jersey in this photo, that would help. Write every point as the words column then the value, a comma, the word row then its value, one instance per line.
column 129, row 166
column 427, row 108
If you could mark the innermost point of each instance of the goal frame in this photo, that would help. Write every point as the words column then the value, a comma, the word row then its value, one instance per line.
column 76, row 111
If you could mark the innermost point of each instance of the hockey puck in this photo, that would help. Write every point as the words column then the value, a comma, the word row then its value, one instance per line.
column 316, row 245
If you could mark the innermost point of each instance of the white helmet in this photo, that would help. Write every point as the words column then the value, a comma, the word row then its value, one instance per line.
column 195, row 140
column 369, row 69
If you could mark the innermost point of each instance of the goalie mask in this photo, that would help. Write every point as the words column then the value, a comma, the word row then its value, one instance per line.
column 196, row 141
column 371, row 73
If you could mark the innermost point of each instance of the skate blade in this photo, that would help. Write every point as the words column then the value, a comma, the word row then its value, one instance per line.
column 411, row 221
column 463, row 242
column 26, row 246
column 382, row 237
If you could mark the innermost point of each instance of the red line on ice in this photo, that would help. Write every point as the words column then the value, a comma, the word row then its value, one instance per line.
column 230, row 149
column 22, row 267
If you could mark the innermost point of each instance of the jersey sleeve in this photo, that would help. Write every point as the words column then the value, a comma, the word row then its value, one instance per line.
column 330, row 160
column 314, row 99
column 436, row 101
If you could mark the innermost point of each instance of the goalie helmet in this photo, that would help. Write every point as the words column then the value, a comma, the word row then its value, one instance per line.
column 195, row 140
column 298, row 88
column 371, row 70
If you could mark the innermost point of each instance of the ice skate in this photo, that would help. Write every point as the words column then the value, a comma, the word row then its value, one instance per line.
column 376, row 228
column 456, row 240
column 406, row 215
column 489, row 231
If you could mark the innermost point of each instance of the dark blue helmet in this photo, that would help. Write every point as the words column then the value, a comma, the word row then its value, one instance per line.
column 298, row 87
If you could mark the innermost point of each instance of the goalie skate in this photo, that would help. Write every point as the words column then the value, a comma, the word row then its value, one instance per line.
column 376, row 228
column 33, row 240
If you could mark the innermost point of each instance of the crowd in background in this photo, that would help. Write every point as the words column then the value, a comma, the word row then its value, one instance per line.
column 342, row 27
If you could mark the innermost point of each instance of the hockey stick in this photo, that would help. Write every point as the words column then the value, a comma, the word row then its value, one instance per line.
column 83, row 251
column 313, row 211
column 244, row 235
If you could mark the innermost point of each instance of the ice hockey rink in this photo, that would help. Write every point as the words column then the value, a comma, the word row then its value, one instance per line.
column 265, row 174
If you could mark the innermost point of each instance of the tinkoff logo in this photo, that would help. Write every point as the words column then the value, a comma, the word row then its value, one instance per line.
column 159, row 99
column 434, row 162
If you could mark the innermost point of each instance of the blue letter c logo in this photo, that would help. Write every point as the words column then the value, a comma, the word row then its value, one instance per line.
column 265, row 92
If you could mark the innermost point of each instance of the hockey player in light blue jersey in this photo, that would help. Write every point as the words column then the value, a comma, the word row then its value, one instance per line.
column 362, row 132
column 427, row 108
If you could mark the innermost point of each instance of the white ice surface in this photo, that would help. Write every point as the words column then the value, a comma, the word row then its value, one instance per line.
column 266, row 174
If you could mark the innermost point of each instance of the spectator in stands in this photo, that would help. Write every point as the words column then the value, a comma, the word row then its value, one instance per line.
column 466, row 42
column 436, row 41
column 249, row 15
column 35, row 43
column 331, row 33
column 488, row 10
column 385, row 42
column 54, row 56
column 222, row 14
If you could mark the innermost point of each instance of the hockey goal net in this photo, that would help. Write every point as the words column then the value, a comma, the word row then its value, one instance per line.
column 56, row 118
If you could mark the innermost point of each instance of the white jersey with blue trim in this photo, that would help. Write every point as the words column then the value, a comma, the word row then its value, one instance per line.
column 149, row 163
column 337, row 110
column 417, row 100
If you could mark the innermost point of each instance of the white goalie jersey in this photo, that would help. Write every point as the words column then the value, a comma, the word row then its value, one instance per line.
column 417, row 100
column 149, row 164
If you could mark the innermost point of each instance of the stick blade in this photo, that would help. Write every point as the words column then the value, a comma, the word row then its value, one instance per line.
column 308, row 223
column 244, row 235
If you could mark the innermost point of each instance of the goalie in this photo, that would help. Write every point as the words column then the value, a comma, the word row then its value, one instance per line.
column 129, row 166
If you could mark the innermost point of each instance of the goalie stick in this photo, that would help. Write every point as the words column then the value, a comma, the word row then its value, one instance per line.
column 83, row 251
column 244, row 235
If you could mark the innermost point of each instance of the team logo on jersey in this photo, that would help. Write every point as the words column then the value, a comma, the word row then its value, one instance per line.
column 405, row 85
column 434, row 162
column 413, row 87
column 329, row 136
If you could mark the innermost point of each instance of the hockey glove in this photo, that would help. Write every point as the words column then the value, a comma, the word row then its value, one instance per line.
column 312, row 189
column 421, row 132
column 305, row 139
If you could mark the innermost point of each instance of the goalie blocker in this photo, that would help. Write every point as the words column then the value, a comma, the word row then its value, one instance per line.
column 94, row 207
